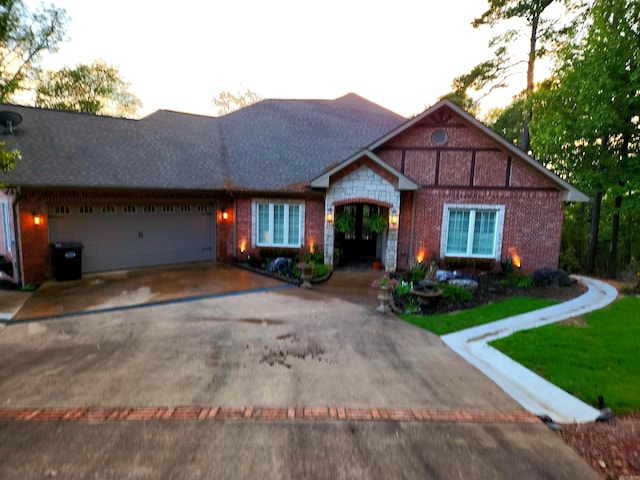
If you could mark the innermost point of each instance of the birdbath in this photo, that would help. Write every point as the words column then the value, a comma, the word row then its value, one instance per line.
column 428, row 294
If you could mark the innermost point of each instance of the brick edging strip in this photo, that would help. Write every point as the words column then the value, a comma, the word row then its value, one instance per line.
column 107, row 414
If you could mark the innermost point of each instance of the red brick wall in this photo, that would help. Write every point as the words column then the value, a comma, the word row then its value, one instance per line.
column 34, row 248
column 314, row 223
column 534, row 232
column 34, row 241
column 470, row 168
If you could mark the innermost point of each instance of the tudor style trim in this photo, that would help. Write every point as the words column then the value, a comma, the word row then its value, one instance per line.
column 570, row 193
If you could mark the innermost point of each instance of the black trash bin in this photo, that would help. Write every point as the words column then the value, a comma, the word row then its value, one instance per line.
column 66, row 260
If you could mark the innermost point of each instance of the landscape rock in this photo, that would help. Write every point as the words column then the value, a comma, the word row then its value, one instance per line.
column 466, row 283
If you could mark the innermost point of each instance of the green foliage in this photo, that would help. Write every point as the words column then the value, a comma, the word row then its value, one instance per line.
column 377, row 223
column 24, row 37
column 585, row 123
column 320, row 270
column 453, row 322
column 8, row 158
column 509, row 121
column 455, row 292
column 344, row 222
column 97, row 88
column 597, row 358
column 228, row 102
column 403, row 288
column 338, row 255
column 518, row 280
column 416, row 273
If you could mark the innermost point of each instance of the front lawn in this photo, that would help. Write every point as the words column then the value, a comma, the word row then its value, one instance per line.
column 442, row 324
column 598, row 355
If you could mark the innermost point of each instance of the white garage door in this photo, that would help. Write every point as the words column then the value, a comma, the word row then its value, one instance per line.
column 128, row 236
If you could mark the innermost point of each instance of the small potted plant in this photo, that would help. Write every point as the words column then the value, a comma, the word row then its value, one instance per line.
column 384, row 285
column 306, row 273
column 377, row 223
column 344, row 222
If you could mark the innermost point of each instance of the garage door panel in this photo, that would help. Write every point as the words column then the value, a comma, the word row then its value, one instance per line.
column 122, row 240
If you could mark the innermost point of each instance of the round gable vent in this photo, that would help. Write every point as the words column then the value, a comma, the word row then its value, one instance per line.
column 439, row 137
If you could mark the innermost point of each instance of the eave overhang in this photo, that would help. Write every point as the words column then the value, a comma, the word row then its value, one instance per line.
column 324, row 180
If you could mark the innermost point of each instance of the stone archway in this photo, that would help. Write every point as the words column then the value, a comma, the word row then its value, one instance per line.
column 364, row 186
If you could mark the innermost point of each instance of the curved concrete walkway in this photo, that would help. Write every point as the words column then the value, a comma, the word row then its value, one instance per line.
column 533, row 392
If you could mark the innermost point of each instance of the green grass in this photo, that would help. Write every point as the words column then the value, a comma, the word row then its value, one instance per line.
column 601, row 357
column 452, row 322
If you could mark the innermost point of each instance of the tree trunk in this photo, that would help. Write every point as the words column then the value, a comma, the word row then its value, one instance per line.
column 531, row 62
column 593, row 234
column 612, row 268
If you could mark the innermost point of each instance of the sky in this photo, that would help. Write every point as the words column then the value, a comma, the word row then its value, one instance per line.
column 179, row 55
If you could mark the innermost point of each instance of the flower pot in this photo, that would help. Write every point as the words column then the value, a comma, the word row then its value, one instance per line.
column 384, row 295
column 306, row 279
column 377, row 265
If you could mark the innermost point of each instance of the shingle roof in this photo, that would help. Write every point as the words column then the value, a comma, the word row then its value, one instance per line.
column 267, row 146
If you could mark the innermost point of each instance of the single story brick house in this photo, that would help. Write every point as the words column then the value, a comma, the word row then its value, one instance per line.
column 174, row 187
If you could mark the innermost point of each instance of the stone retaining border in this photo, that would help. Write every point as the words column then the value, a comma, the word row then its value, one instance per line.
column 108, row 414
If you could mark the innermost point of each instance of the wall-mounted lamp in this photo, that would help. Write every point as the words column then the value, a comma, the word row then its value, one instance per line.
column 37, row 219
column 393, row 218
column 516, row 262
column 330, row 215
column 224, row 214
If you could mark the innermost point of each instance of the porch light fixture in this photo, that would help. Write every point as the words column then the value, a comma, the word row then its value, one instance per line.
column 37, row 219
column 330, row 215
column 393, row 218
column 224, row 214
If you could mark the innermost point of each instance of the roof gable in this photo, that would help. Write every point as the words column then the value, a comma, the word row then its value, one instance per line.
column 445, row 110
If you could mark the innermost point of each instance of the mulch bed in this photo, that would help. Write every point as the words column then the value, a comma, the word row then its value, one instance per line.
column 612, row 448
column 491, row 289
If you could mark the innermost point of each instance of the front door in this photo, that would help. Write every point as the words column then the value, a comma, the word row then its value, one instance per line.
column 358, row 244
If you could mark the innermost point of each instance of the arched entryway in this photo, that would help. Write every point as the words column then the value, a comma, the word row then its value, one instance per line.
column 360, row 233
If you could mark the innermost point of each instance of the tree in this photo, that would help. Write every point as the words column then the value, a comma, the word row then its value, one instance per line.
column 546, row 34
column 508, row 121
column 586, row 122
column 24, row 37
column 228, row 102
column 8, row 158
column 97, row 88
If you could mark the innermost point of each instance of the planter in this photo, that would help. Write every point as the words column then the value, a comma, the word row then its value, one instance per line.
column 384, row 295
column 306, row 278
column 377, row 265
column 428, row 294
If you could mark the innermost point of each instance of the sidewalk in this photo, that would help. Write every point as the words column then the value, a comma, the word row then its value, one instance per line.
column 533, row 392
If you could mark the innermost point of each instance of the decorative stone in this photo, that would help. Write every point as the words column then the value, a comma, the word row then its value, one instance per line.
column 466, row 283
column 280, row 265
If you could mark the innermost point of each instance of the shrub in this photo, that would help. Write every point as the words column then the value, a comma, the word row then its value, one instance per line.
column 417, row 273
column 518, row 280
column 321, row 270
column 455, row 292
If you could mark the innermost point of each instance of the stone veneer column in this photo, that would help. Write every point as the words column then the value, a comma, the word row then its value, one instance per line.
column 361, row 186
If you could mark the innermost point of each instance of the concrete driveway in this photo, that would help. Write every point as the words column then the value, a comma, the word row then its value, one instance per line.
column 286, row 349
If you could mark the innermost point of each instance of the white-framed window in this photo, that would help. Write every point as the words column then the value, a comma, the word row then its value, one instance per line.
column 472, row 231
column 6, row 225
column 278, row 223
